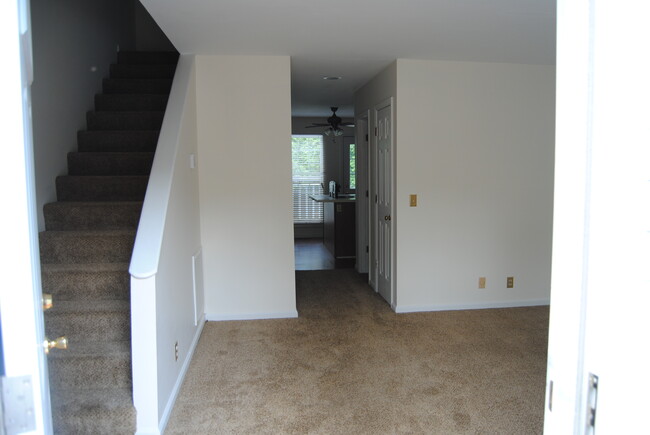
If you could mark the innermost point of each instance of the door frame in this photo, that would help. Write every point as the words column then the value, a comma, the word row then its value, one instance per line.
column 362, row 130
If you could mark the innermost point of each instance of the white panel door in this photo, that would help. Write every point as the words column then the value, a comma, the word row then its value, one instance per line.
column 598, row 358
column 20, row 295
column 384, row 134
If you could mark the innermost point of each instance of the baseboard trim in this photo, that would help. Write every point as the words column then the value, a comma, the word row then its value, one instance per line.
column 219, row 317
column 475, row 306
column 181, row 377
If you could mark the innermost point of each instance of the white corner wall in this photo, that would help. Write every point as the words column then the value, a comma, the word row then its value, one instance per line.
column 244, row 134
column 476, row 144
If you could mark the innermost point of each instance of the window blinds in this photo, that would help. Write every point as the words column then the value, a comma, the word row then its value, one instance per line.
column 307, row 159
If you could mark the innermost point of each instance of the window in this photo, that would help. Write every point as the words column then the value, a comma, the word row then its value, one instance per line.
column 307, row 163
column 353, row 166
column 349, row 164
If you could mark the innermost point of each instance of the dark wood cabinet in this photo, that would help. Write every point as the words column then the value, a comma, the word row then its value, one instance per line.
column 339, row 228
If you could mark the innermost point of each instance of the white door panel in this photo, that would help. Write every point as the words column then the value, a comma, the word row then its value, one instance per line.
column 20, row 297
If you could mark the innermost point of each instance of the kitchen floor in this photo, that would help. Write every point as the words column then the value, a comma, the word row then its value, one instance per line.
column 311, row 254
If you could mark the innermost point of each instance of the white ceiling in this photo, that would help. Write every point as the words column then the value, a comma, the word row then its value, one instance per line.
column 356, row 39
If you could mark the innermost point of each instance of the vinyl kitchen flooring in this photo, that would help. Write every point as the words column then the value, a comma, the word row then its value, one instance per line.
column 311, row 254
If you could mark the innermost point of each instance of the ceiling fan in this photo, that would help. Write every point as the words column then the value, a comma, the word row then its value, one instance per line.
column 334, row 124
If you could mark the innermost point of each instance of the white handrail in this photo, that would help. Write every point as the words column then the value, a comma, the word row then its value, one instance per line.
column 148, row 241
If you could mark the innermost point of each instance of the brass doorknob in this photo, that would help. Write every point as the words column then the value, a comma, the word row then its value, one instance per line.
column 47, row 301
column 59, row 343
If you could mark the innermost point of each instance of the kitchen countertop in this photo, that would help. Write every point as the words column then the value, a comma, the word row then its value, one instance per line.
column 327, row 198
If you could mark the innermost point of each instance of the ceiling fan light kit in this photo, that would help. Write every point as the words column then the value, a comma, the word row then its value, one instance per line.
column 334, row 124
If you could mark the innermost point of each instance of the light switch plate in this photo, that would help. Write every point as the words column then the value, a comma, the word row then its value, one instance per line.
column 413, row 201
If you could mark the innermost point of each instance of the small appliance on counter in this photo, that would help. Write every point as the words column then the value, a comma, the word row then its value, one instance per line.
column 335, row 188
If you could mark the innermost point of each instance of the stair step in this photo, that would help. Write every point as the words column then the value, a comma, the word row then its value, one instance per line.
column 90, row 365
column 136, row 86
column 142, row 71
column 101, row 188
column 86, row 246
column 142, row 120
column 147, row 57
column 87, row 321
column 102, row 163
column 129, row 102
column 106, row 411
column 117, row 141
column 108, row 215
column 89, row 281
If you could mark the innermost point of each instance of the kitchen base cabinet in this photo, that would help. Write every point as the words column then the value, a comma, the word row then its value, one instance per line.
column 339, row 228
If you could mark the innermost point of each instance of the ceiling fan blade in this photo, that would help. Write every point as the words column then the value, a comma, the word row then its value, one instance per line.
column 347, row 124
column 317, row 125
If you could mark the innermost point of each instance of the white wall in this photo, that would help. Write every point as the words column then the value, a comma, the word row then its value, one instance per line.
column 70, row 38
column 476, row 144
column 244, row 132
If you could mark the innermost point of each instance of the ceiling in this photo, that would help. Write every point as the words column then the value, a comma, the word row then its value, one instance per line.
column 356, row 39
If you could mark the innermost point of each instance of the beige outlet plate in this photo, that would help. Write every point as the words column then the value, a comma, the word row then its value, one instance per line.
column 510, row 282
column 481, row 282
column 413, row 200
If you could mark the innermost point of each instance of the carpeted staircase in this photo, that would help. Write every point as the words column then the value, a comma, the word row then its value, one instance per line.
column 87, row 245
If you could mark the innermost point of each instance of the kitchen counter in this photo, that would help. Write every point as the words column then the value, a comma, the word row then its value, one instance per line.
column 327, row 198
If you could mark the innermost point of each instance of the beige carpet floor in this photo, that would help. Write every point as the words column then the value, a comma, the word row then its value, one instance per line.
column 349, row 365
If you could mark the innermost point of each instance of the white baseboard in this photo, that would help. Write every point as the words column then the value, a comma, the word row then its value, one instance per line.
column 181, row 377
column 218, row 317
column 475, row 306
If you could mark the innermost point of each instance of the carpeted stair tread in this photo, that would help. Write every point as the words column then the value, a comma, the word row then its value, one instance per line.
column 101, row 188
column 142, row 71
column 136, row 86
column 86, row 246
column 130, row 102
column 107, row 215
column 104, row 163
column 106, row 411
column 87, row 320
column 89, row 281
column 117, row 141
column 90, row 365
column 147, row 57
column 124, row 120
column 88, row 306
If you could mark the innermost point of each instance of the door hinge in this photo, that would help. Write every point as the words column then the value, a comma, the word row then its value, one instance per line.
column 367, row 249
column 366, row 193
column 366, row 138
column 592, row 402
column 375, row 131
column 18, row 401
